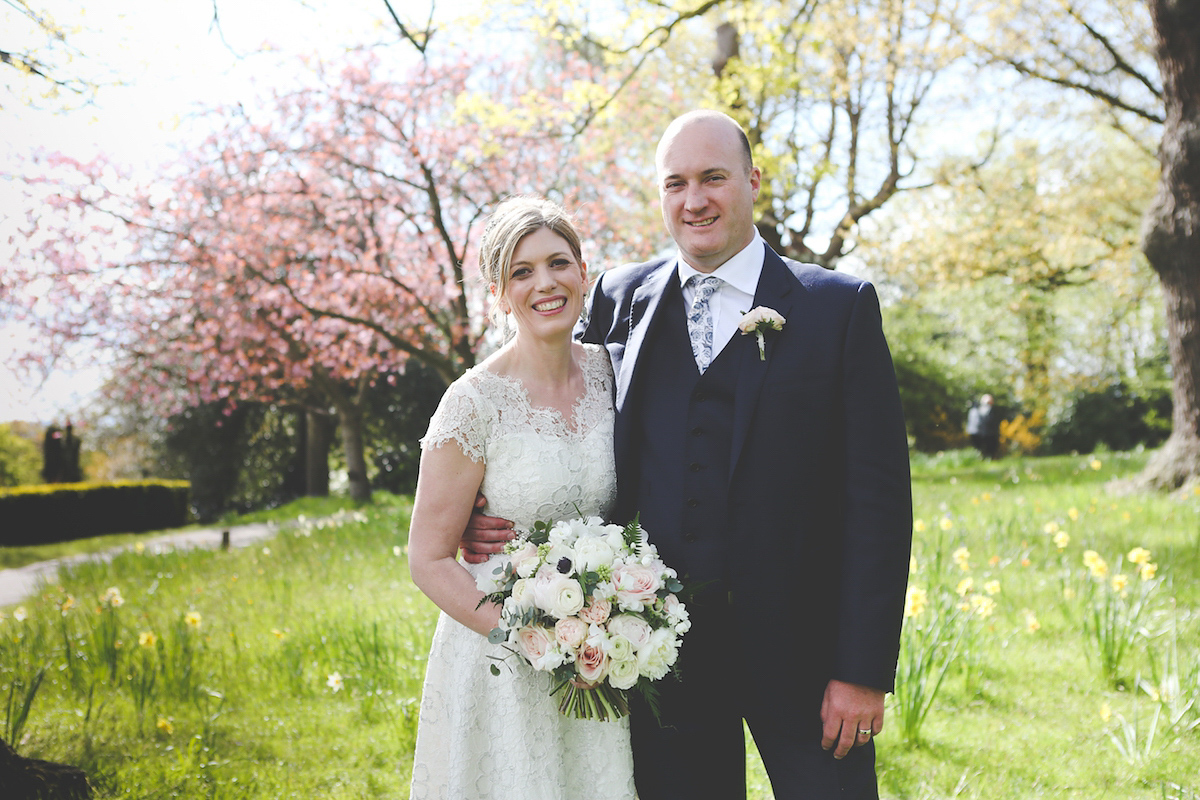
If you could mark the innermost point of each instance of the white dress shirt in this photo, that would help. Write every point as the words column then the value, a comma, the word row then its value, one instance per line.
column 734, row 297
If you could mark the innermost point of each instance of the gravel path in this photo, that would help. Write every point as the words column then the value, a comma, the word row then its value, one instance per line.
column 18, row 584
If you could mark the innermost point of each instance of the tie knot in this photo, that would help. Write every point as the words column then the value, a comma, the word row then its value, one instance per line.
column 705, row 284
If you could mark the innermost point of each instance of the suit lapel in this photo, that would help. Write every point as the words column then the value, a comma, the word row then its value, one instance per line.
column 644, row 309
column 775, row 287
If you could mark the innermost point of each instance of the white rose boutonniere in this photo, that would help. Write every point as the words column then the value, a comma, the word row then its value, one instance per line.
column 758, row 321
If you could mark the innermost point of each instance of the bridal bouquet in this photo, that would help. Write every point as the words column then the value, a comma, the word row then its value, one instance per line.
column 593, row 605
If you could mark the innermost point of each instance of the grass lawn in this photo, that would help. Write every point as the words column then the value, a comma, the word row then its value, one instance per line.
column 293, row 668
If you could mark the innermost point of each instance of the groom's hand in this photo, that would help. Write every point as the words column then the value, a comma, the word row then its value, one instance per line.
column 484, row 535
column 846, row 712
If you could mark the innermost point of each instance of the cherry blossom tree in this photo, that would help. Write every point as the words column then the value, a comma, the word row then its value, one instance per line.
column 313, row 243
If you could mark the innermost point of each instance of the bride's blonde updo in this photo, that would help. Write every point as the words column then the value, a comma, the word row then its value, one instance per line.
column 512, row 221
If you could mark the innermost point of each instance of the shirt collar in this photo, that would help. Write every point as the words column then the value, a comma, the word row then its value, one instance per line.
column 741, row 271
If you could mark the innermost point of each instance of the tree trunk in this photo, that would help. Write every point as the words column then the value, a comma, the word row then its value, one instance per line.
column 318, row 440
column 350, row 419
column 1171, row 234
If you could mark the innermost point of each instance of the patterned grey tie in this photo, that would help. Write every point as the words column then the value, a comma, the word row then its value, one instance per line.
column 700, row 319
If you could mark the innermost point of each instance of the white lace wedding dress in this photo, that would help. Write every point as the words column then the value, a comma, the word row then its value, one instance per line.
column 486, row 737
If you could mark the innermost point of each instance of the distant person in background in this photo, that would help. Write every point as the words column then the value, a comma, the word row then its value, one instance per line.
column 983, row 426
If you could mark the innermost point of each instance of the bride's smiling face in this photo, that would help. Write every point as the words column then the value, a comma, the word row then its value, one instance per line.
column 546, row 285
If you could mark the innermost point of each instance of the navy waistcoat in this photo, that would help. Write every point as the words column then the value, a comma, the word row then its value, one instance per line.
column 686, row 432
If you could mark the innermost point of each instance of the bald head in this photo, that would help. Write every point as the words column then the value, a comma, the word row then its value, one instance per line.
column 721, row 124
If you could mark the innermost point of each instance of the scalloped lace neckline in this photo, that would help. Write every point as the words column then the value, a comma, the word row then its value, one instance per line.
column 575, row 424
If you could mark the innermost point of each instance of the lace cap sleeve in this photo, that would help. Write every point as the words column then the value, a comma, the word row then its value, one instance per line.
column 464, row 417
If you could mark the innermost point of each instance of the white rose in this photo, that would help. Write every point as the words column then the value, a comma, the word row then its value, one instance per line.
column 659, row 654
column 522, row 594
column 632, row 627
column 592, row 552
column 622, row 674
column 619, row 648
column 559, row 596
column 750, row 321
column 570, row 632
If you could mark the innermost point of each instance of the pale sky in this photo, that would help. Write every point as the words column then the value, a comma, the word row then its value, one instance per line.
column 171, row 60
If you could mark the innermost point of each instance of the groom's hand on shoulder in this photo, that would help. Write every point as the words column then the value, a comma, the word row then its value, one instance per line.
column 484, row 535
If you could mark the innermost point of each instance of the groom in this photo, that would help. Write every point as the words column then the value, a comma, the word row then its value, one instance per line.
column 778, row 482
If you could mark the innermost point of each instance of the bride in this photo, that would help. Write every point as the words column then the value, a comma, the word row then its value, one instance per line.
column 530, row 428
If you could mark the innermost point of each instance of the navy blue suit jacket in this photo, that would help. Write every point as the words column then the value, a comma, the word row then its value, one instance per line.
column 819, row 485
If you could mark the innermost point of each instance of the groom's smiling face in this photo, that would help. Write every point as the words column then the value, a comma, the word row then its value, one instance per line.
column 707, row 190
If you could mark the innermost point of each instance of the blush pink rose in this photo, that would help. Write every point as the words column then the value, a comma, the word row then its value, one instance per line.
column 596, row 611
column 591, row 663
column 570, row 632
column 635, row 585
column 536, row 645
column 632, row 627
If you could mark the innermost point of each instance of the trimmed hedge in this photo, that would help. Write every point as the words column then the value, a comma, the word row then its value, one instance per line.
column 60, row 512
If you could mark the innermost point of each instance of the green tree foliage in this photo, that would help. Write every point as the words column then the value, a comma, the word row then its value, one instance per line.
column 1032, row 261
column 238, row 457
column 398, row 412
column 833, row 95
column 20, row 459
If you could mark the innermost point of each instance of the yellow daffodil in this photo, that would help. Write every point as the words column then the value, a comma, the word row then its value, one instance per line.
column 278, row 633
column 164, row 725
column 1096, row 464
column 67, row 604
column 1095, row 564
column 915, row 600
column 1119, row 582
column 912, row 564
column 962, row 557
column 1062, row 539
column 1147, row 571
column 1031, row 622
column 987, row 496
column 1139, row 555
column 1105, row 712
column 983, row 607
column 1073, row 513
column 992, row 587
column 139, row 548
column 918, row 525
column 112, row 597
column 964, row 586
column 192, row 619
column 1050, row 527
column 147, row 639
column 945, row 523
